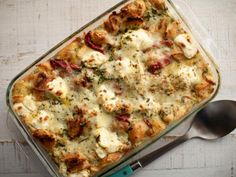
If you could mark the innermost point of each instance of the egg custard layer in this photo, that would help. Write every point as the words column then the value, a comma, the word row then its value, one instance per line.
column 113, row 88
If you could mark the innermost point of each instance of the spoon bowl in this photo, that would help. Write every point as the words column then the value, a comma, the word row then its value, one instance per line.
column 214, row 121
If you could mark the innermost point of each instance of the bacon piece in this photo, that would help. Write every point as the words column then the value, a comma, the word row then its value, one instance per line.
column 123, row 117
column 89, row 43
column 64, row 65
column 150, row 48
column 147, row 122
column 74, row 66
column 167, row 43
column 153, row 68
column 58, row 63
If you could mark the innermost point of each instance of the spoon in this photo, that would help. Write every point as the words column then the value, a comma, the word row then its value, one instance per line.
column 214, row 121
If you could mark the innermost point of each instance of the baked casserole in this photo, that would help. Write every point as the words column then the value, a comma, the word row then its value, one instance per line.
column 113, row 88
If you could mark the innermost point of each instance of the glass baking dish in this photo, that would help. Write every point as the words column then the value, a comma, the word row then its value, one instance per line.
column 189, row 22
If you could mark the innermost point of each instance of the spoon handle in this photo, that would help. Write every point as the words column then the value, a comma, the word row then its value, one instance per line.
column 147, row 159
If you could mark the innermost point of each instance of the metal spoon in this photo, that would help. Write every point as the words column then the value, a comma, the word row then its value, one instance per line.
column 214, row 121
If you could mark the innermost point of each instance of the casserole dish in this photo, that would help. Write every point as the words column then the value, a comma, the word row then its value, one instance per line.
column 22, row 125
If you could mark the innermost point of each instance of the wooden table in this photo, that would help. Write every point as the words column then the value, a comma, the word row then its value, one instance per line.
column 28, row 28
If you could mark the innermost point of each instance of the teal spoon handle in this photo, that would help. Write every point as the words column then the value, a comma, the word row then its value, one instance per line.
column 127, row 170
column 124, row 172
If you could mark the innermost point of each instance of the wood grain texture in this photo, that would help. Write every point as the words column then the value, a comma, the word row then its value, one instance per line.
column 28, row 28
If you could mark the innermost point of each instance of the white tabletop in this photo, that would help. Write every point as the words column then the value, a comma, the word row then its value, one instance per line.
column 28, row 28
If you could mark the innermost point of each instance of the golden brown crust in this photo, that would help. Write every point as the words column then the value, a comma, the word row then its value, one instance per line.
column 45, row 137
column 69, row 53
column 138, row 132
column 134, row 22
column 111, row 158
column 76, row 162
column 75, row 126
column 40, row 85
column 158, row 4
column 99, row 36
column 19, row 91
column 155, row 126
column 134, row 10
column 120, row 126
column 45, row 66
column 113, row 23
column 204, row 88
column 172, row 30
column 177, row 53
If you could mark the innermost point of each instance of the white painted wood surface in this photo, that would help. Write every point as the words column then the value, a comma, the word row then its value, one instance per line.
column 28, row 28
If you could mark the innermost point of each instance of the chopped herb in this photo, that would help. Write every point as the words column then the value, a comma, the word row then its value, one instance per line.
column 100, row 72
column 101, row 79
column 154, row 11
column 111, row 58
column 82, row 124
column 128, row 38
column 86, row 98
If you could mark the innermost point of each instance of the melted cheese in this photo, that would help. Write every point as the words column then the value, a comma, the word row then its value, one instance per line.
column 126, row 67
column 137, row 39
column 21, row 109
column 27, row 107
column 109, row 70
column 58, row 87
column 94, row 59
column 108, row 140
column 189, row 74
column 103, row 120
column 29, row 103
column 105, row 93
column 147, row 103
column 45, row 120
column 188, row 48
column 100, row 152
